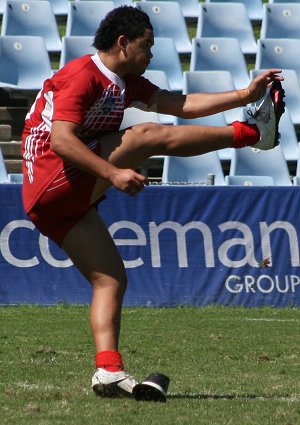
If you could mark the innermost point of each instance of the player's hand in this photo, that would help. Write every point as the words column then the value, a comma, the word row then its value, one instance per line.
column 257, row 88
column 128, row 181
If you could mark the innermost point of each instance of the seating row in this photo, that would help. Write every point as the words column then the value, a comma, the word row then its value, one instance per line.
column 248, row 167
column 214, row 19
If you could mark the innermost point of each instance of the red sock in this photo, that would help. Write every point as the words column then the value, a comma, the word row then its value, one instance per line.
column 244, row 134
column 109, row 360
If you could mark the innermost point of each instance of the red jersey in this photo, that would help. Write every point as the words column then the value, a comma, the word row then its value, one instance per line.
column 84, row 92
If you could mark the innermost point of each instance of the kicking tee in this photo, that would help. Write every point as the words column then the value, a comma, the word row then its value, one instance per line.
column 84, row 92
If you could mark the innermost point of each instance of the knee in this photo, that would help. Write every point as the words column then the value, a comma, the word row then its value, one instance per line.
column 150, row 134
column 116, row 281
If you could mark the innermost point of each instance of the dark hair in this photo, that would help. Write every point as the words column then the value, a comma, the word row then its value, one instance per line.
column 124, row 20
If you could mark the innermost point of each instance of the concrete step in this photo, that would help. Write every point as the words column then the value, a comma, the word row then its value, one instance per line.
column 11, row 150
column 13, row 165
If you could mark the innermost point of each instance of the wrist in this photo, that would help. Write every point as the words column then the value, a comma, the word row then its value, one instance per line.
column 244, row 96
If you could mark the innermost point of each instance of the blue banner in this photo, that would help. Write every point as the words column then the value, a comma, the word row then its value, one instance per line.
column 181, row 245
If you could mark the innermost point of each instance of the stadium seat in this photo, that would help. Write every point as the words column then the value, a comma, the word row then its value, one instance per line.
column 211, row 120
column 254, row 162
column 3, row 171
column 118, row 2
column 60, row 7
column 254, row 7
column 168, row 21
column 24, row 62
column 288, row 137
column 133, row 116
column 84, row 17
column 15, row 178
column 193, row 170
column 211, row 82
column 169, row 63
column 75, row 46
column 296, row 178
column 249, row 180
column 283, row 1
column 160, row 79
column 2, row 6
column 189, row 8
column 278, row 53
column 291, row 86
column 32, row 18
column 220, row 54
column 280, row 20
column 227, row 20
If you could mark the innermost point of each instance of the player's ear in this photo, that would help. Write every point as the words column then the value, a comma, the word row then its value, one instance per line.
column 122, row 43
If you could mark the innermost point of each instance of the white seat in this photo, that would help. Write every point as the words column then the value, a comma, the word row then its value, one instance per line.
column 3, row 171
column 84, row 17
column 249, row 161
column 211, row 82
column 278, row 53
column 189, row 8
column 167, row 20
column 254, row 7
column 220, row 54
column 249, row 180
column 280, row 20
column 192, row 170
column 31, row 18
column 75, row 46
column 296, row 178
column 227, row 20
column 169, row 63
column 24, row 62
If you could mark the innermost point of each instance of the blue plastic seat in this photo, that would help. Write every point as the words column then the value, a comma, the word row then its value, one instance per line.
column 2, row 6
column 24, row 62
column 74, row 47
column 281, row 20
column 168, row 21
column 192, row 170
column 278, row 53
column 84, row 17
column 227, row 20
column 60, row 7
column 296, row 178
column 249, row 180
column 254, row 7
column 3, row 171
column 220, row 54
column 255, row 162
column 169, row 63
column 283, row 1
column 189, row 8
column 211, row 82
column 291, row 86
column 118, row 2
column 32, row 18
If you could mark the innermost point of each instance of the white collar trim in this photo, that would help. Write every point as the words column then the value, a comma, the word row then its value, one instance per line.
column 107, row 72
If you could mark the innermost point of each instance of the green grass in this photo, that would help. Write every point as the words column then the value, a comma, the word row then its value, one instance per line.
column 227, row 366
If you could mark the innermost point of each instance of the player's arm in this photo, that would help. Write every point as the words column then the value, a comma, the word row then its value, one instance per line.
column 202, row 104
column 66, row 144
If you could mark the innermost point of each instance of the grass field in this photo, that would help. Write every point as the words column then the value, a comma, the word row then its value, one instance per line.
column 227, row 366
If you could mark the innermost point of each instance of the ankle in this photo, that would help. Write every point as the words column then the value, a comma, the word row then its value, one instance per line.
column 109, row 360
column 245, row 134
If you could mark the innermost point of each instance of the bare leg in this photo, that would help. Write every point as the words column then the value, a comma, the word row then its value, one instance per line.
column 91, row 248
column 129, row 148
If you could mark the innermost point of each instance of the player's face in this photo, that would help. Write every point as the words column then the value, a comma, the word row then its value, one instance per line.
column 139, row 53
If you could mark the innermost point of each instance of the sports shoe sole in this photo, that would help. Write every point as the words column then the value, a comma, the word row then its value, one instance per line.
column 277, row 94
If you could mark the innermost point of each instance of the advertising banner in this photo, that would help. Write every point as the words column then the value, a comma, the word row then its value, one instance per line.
column 181, row 245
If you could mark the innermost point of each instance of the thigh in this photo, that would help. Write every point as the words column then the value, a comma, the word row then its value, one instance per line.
column 92, row 249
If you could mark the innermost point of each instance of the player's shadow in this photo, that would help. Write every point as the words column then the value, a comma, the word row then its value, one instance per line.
column 196, row 396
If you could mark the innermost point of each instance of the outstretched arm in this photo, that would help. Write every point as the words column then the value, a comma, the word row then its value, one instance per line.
column 196, row 105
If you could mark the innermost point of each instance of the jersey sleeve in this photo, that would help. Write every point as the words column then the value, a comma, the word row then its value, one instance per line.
column 139, row 91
